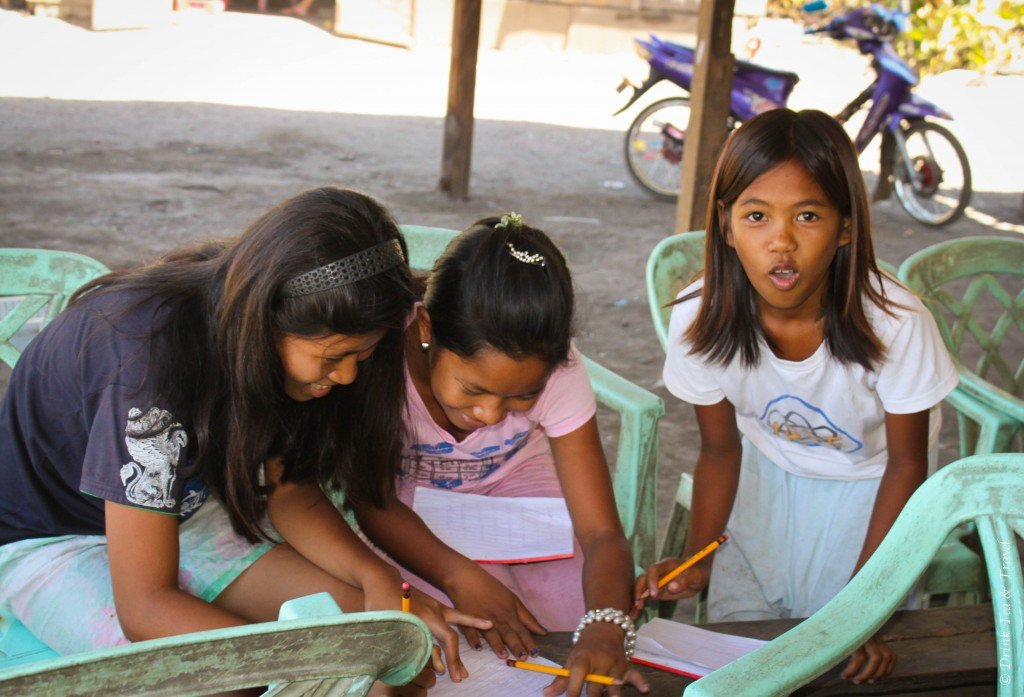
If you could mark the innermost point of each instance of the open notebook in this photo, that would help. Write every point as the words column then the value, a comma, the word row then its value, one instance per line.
column 488, row 675
column 688, row 650
column 497, row 529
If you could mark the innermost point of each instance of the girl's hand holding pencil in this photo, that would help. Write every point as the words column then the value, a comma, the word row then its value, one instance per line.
column 437, row 616
column 597, row 663
column 674, row 579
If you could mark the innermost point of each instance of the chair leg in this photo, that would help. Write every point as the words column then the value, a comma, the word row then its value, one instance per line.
column 700, row 612
column 675, row 533
column 968, row 431
column 672, row 546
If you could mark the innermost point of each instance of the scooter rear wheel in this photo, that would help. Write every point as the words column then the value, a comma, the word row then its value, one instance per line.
column 939, row 188
column 654, row 146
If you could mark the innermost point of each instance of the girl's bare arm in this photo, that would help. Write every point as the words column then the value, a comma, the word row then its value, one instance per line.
column 143, row 550
column 715, row 479
column 406, row 538
column 587, row 487
column 400, row 532
column 310, row 523
column 907, row 441
column 607, row 560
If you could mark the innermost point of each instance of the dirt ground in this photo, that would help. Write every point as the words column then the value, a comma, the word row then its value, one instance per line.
column 115, row 146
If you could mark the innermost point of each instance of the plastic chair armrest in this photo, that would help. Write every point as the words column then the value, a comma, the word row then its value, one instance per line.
column 636, row 465
column 395, row 643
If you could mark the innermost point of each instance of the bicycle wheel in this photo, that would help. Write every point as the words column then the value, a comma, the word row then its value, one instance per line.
column 654, row 146
column 938, row 188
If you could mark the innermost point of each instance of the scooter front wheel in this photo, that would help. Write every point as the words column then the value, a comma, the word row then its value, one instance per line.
column 654, row 146
column 932, row 178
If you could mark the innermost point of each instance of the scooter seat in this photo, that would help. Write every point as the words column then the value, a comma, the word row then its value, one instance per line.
column 753, row 67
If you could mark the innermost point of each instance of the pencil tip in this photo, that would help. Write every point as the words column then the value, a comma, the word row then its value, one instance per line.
column 510, row 663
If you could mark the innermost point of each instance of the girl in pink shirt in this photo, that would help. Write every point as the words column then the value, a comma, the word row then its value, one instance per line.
column 499, row 403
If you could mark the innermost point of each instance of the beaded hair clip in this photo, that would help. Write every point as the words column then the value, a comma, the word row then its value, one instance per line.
column 355, row 267
column 525, row 257
column 514, row 221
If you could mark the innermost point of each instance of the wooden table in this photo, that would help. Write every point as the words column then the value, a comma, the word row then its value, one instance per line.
column 942, row 651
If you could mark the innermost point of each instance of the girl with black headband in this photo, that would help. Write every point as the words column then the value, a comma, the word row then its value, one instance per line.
column 165, row 441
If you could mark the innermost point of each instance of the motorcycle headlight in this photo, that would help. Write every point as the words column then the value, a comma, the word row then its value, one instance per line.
column 874, row 24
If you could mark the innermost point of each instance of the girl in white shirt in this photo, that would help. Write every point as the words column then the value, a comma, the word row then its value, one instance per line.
column 815, row 381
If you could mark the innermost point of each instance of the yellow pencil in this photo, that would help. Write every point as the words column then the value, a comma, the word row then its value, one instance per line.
column 561, row 672
column 406, row 599
column 687, row 564
column 692, row 560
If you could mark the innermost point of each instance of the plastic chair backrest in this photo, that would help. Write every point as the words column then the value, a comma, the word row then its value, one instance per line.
column 672, row 264
column 636, row 465
column 961, row 281
column 426, row 244
column 986, row 489
column 36, row 283
column 335, row 654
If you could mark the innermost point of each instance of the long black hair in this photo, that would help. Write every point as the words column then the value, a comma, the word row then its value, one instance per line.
column 216, row 362
column 727, row 322
column 507, row 288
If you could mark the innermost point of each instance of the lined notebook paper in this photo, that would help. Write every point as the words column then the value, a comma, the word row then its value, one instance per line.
column 688, row 650
column 497, row 529
column 488, row 675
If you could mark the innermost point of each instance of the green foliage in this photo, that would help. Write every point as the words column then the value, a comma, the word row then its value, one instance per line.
column 984, row 35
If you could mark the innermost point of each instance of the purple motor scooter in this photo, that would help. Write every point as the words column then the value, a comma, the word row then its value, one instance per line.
column 920, row 160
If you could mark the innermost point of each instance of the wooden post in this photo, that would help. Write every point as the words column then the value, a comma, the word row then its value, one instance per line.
column 458, row 123
column 709, row 95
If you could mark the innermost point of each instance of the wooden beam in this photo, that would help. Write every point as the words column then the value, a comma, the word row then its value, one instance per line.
column 709, row 98
column 458, row 123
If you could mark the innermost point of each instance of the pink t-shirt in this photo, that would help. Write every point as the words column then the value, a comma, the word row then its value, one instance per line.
column 433, row 457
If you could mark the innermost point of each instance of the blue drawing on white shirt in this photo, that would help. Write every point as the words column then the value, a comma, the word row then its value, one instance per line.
column 484, row 452
column 441, row 448
column 797, row 421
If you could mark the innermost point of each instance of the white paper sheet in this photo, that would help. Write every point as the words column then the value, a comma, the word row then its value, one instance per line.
column 496, row 529
column 683, row 648
column 488, row 675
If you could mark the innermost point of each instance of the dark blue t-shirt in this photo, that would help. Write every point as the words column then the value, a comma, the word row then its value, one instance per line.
column 79, row 424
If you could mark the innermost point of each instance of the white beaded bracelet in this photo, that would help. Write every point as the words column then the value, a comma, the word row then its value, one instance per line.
column 616, row 617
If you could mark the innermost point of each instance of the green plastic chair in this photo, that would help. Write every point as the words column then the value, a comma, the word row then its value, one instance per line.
column 985, row 489
column 35, row 285
column 958, row 280
column 674, row 263
column 313, row 650
column 636, row 465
